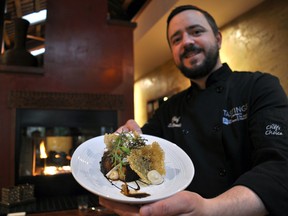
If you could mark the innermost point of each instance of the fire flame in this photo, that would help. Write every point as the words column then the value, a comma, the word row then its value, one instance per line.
column 42, row 150
column 52, row 170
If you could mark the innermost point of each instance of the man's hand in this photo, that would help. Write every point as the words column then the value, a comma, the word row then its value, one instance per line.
column 182, row 203
column 130, row 125
column 119, row 208
column 238, row 201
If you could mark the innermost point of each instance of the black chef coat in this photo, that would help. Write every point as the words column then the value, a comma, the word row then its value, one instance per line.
column 235, row 132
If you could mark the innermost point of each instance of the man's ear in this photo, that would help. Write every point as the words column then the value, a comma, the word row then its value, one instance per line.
column 219, row 39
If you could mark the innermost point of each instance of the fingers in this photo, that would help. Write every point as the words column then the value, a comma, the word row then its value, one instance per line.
column 122, row 129
column 119, row 208
column 183, row 203
column 130, row 125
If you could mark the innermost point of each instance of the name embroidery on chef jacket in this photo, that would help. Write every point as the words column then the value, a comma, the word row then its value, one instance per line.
column 175, row 122
column 235, row 114
column 273, row 130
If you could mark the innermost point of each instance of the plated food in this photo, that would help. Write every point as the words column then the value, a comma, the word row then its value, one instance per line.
column 128, row 157
column 86, row 169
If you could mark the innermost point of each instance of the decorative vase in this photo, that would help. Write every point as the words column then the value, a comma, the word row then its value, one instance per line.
column 19, row 55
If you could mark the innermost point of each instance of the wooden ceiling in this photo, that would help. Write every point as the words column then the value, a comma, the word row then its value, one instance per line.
column 17, row 9
column 118, row 9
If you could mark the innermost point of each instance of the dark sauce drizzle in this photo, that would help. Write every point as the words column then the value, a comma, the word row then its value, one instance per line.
column 135, row 195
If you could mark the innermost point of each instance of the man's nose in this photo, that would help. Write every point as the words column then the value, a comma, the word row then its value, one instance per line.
column 188, row 39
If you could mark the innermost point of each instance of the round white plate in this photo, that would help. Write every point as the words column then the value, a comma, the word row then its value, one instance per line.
column 85, row 166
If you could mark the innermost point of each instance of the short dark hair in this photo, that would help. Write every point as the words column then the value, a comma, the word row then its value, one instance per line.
column 181, row 8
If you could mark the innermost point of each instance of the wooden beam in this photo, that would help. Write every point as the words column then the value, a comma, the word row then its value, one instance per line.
column 37, row 9
column 2, row 11
column 38, row 30
column 6, row 39
column 37, row 5
column 18, row 8
column 35, row 38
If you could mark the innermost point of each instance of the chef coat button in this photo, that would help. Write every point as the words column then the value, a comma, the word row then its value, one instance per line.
column 219, row 89
column 185, row 132
column 222, row 172
column 217, row 127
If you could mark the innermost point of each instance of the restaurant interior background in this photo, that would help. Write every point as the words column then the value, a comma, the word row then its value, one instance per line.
column 100, row 69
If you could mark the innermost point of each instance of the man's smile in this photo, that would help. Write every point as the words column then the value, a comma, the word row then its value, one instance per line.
column 191, row 51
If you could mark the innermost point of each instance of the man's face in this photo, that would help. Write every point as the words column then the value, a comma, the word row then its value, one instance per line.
column 194, row 46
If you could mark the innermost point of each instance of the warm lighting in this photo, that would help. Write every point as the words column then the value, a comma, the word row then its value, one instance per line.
column 66, row 168
column 147, row 83
column 57, row 156
column 50, row 170
column 53, row 170
column 42, row 150
column 36, row 17
column 38, row 51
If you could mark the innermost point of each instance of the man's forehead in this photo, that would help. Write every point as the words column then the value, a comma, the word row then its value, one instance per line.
column 187, row 18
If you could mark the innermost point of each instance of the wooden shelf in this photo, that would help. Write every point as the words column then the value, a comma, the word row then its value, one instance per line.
column 21, row 69
column 97, row 211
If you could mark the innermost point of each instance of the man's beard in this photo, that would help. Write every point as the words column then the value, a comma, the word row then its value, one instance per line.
column 205, row 68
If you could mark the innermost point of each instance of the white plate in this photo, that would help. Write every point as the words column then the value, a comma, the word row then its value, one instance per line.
column 86, row 170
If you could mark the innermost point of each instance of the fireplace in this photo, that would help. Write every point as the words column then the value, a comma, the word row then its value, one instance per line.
column 45, row 141
column 46, row 137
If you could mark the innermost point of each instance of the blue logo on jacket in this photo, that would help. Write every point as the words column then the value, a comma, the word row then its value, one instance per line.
column 235, row 114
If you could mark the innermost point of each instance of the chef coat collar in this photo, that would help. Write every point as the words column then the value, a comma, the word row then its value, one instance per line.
column 221, row 73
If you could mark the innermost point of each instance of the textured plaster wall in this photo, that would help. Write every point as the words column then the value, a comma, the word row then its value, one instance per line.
column 255, row 41
column 164, row 80
column 258, row 40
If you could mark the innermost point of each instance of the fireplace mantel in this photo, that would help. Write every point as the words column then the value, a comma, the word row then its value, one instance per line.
column 56, row 100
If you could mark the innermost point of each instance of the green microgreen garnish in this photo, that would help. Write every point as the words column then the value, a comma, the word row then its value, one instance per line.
column 122, row 146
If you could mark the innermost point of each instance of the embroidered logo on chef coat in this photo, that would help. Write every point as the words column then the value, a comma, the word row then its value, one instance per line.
column 235, row 114
column 175, row 122
column 273, row 129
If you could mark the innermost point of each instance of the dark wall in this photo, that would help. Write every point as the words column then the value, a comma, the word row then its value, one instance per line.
column 85, row 53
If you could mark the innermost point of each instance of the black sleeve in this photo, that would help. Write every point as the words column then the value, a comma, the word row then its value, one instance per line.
column 268, row 130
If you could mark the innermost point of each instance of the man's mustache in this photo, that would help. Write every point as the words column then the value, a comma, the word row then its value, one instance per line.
column 190, row 49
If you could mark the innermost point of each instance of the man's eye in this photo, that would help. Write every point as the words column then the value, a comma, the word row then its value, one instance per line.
column 197, row 32
column 176, row 40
